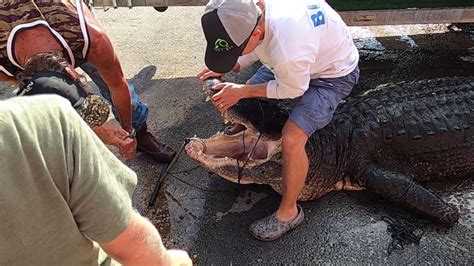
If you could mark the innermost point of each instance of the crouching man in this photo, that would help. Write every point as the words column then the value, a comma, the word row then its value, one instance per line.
column 307, row 53
column 67, row 34
column 63, row 191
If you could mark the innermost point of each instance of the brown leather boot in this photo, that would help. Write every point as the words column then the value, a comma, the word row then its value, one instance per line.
column 148, row 144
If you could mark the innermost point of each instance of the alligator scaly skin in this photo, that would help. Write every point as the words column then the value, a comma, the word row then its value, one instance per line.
column 396, row 135
column 386, row 140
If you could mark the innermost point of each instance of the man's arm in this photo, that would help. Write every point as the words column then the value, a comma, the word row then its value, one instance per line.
column 229, row 94
column 292, row 80
column 103, row 57
column 140, row 244
column 245, row 60
column 255, row 91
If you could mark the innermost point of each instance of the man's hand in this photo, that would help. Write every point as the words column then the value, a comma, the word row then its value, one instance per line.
column 176, row 257
column 117, row 137
column 206, row 73
column 140, row 244
column 229, row 94
column 128, row 148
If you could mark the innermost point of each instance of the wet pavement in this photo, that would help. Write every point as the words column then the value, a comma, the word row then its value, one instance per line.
column 209, row 216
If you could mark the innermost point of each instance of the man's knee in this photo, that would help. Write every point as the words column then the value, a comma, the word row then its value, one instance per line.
column 292, row 143
column 293, row 137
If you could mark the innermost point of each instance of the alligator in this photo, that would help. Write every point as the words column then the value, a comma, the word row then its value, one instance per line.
column 387, row 140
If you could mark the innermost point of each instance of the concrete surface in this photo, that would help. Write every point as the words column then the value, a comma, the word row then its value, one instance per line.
column 161, row 54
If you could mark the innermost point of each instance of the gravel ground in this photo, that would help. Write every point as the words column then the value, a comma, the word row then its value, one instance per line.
column 161, row 54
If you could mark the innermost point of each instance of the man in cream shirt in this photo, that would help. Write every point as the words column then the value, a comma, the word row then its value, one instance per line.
column 307, row 53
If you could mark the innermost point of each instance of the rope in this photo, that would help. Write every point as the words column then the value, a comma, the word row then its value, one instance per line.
column 401, row 233
column 240, row 169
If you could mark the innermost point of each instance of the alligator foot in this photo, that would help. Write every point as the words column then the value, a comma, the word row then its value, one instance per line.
column 402, row 190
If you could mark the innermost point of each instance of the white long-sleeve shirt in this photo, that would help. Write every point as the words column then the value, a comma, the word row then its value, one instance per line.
column 304, row 39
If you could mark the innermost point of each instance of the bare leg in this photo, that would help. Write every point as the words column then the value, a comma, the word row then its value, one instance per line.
column 295, row 169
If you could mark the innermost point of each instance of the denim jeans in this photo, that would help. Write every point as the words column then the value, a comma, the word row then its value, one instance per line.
column 139, row 108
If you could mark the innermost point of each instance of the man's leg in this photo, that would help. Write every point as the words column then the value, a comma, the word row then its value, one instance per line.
column 295, row 169
column 313, row 111
column 146, row 142
column 295, row 161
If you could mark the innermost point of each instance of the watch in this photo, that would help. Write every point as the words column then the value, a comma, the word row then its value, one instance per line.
column 132, row 134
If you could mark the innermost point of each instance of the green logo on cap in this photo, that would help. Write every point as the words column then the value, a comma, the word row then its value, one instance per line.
column 221, row 45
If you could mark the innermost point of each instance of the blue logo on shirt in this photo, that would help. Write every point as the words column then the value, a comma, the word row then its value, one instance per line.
column 318, row 19
column 316, row 16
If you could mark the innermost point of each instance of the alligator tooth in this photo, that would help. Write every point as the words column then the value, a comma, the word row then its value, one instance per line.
column 199, row 152
column 195, row 136
column 226, row 121
column 208, row 98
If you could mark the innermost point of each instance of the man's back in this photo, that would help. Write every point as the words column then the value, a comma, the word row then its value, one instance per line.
column 309, row 34
column 60, row 186
column 64, row 21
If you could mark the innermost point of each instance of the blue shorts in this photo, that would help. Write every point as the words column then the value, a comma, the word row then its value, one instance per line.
column 315, row 108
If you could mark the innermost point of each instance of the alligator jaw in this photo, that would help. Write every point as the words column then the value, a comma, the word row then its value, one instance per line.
column 229, row 156
column 237, row 155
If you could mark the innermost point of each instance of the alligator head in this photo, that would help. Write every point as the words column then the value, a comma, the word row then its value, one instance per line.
column 250, row 156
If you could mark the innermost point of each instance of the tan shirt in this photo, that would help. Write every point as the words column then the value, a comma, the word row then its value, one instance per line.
column 60, row 186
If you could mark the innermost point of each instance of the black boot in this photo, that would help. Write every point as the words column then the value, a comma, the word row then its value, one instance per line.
column 148, row 144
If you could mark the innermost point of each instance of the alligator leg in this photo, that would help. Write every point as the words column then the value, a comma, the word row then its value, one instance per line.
column 398, row 188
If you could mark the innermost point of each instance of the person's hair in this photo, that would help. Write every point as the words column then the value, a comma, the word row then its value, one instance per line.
column 94, row 110
column 53, row 61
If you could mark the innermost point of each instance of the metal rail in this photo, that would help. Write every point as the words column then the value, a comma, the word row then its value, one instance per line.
column 408, row 16
column 354, row 17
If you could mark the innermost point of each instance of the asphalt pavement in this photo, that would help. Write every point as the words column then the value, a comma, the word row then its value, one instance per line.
column 161, row 53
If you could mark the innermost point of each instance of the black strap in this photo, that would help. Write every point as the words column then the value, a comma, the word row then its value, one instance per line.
column 52, row 82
